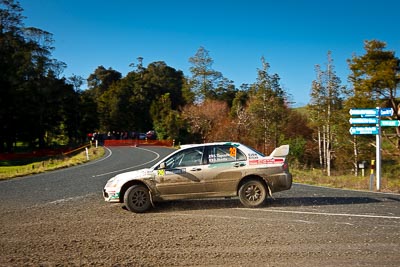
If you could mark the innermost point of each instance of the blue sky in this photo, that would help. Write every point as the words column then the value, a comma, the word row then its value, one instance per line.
column 292, row 35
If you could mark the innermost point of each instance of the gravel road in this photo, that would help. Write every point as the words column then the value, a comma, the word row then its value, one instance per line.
column 305, row 226
column 89, row 232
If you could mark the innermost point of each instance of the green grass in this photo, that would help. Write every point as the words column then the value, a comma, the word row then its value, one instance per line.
column 15, row 168
column 389, row 183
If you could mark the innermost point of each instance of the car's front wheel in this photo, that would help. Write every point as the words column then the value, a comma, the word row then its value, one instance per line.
column 253, row 193
column 137, row 198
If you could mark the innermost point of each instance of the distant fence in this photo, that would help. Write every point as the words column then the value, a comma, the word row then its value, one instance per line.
column 66, row 151
column 44, row 152
column 133, row 142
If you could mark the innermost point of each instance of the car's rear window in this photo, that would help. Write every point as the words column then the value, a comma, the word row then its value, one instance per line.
column 224, row 153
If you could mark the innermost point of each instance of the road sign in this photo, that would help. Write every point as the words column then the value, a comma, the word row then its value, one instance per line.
column 390, row 123
column 364, row 130
column 386, row 112
column 366, row 114
column 363, row 120
column 369, row 112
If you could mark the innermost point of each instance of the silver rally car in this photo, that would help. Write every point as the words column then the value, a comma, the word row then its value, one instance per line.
column 223, row 169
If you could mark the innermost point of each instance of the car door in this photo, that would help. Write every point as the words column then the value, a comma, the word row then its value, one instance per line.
column 224, row 169
column 182, row 175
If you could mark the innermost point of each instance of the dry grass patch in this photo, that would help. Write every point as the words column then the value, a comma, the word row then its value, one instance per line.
column 316, row 177
column 53, row 163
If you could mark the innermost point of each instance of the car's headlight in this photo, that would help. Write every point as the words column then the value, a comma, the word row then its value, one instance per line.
column 113, row 182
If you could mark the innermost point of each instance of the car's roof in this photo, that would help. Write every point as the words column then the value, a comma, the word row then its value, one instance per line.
column 210, row 144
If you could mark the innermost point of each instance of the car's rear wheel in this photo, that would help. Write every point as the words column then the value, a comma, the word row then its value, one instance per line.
column 253, row 193
column 137, row 198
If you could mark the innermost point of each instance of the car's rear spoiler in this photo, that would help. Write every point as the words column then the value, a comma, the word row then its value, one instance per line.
column 281, row 151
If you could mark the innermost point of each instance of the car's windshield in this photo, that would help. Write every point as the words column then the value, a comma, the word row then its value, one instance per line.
column 186, row 157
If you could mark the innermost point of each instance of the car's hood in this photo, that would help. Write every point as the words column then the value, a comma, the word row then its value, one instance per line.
column 143, row 173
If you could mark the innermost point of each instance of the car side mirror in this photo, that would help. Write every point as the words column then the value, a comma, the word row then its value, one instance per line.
column 162, row 165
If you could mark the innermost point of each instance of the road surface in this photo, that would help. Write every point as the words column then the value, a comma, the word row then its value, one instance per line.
column 59, row 218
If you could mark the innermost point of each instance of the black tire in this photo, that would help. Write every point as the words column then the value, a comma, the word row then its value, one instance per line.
column 253, row 193
column 137, row 199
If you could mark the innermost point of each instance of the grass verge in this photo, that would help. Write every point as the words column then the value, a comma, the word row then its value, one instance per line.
column 316, row 177
column 11, row 169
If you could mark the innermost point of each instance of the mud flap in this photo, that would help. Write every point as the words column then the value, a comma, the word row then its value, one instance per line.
column 151, row 199
column 270, row 192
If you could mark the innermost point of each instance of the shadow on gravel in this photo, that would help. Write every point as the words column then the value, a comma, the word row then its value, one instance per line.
column 319, row 201
column 221, row 203
column 197, row 204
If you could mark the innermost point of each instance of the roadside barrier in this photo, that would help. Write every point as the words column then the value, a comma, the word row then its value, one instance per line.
column 67, row 151
column 76, row 150
column 46, row 152
column 132, row 142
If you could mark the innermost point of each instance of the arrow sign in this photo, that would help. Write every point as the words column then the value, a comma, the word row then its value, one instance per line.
column 363, row 130
column 386, row 112
column 370, row 112
column 390, row 123
column 363, row 120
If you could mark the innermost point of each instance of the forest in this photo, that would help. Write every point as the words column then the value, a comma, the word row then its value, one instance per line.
column 41, row 108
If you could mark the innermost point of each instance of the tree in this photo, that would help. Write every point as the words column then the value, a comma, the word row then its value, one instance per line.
column 88, row 116
column 209, row 120
column 204, row 78
column 159, row 79
column 225, row 91
column 326, row 100
column 127, row 103
column 297, row 134
column 76, row 81
column 267, row 108
column 240, row 117
column 33, row 107
column 167, row 122
column 375, row 77
column 13, row 62
column 101, row 80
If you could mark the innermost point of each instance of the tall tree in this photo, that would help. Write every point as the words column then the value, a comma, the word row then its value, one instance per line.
column 267, row 107
column 29, row 82
column 13, row 62
column 204, row 77
column 376, row 77
column 326, row 102
column 102, row 79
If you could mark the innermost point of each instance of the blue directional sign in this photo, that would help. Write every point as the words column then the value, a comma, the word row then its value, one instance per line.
column 364, row 130
column 386, row 112
column 368, row 112
column 363, row 120
column 389, row 123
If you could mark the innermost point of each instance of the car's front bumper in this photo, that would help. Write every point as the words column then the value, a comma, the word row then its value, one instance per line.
column 110, row 196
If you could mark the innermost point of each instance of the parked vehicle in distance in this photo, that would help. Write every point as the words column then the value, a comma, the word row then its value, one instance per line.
column 222, row 169
column 141, row 136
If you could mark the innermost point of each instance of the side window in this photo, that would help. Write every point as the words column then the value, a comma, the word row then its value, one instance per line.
column 224, row 153
column 188, row 157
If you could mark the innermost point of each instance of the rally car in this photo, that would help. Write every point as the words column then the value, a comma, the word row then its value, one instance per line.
column 222, row 169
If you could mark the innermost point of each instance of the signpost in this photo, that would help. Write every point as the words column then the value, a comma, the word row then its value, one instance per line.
column 363, row 130
column 386, row 112
column 372, row 116
column 363, row 120
column 390, row 123
column 366, row 112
